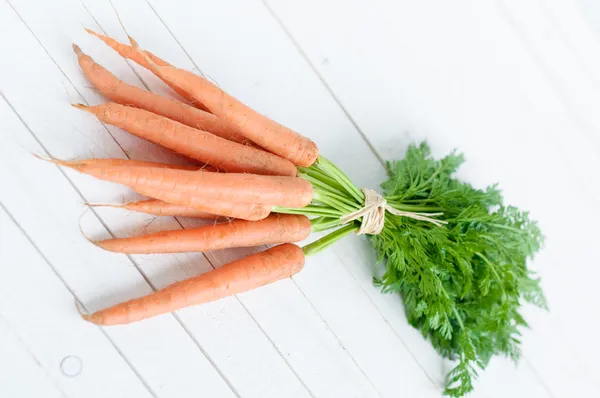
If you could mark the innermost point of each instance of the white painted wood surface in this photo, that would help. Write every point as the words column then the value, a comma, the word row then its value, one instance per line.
column 513, row 84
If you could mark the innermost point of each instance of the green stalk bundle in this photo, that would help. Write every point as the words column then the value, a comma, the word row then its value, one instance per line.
column 462, row 282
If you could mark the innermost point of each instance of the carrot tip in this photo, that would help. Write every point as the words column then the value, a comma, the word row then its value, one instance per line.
column 133, row 42
column 55, row 161
column 93, row 242
column 80, row 106
column 81, row 312
column 77, row 50
column 91, row 32
column 101, row 205
column 136, row 47
column 49, row 159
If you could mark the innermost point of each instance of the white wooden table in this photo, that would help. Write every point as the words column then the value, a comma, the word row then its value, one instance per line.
column 515, row 85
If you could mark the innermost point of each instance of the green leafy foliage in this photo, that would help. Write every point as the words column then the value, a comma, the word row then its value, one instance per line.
column 462, row 284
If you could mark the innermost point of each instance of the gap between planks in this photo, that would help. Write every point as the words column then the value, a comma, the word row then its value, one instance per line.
column 540, row 64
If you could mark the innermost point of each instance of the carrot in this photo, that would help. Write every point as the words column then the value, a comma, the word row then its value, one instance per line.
column 159, row 208
column 136, row 163
column 277, row 228
column 229, row 187
column 196, row 144
column 131, row 163
column 129, row 52
column 260, row 129
column 123, row 93
column 257, row 270
column 244, row 211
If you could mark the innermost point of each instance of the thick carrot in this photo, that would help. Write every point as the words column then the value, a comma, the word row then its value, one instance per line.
column 275, row 229
column 159, row 208
column 239, row 276
column 196, row 144
column 281, row 191
column 126, row 94
column 260, row 129
column 129, row 52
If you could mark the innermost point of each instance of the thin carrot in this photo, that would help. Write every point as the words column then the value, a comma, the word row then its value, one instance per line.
column 257, row 270
column 126, row 94
column 159, row 208
column 243, row 211
column 281, row 191
column 196, row 144
column 137, row 163
column 129, row 52
column 275, row 229
column 260, row 129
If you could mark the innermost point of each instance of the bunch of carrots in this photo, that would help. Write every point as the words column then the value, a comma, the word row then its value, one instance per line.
column 463, row 278
column 248, row 167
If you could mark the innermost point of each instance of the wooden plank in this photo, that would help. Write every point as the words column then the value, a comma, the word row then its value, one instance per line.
column 463, row 89
column 20, row 375
column 575, row 83
column 44, row 346
column 573, row 20
column 566, row 54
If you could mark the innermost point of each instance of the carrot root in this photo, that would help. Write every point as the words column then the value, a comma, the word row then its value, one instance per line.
column 275, row 229
column 239, row 276
column 197, row 144
column 158, row 208
column 229, row 187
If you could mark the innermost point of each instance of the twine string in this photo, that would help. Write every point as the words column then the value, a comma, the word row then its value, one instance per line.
column 373, row 214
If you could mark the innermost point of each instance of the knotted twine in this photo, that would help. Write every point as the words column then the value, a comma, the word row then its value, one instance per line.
column 373, row 214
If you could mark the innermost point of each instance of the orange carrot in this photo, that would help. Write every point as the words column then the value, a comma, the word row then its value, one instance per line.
column 196, row 144
column 129, row 52
column 243, row 211
column 260, row 129
column 275, row 229
column 136, row 163
column 229, row 187
column 120, row 92
column 159, row 208
column 257, row 270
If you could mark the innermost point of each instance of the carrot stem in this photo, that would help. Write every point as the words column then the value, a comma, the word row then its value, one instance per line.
column 329, row 239
column 341, row 178
column 320, row 224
